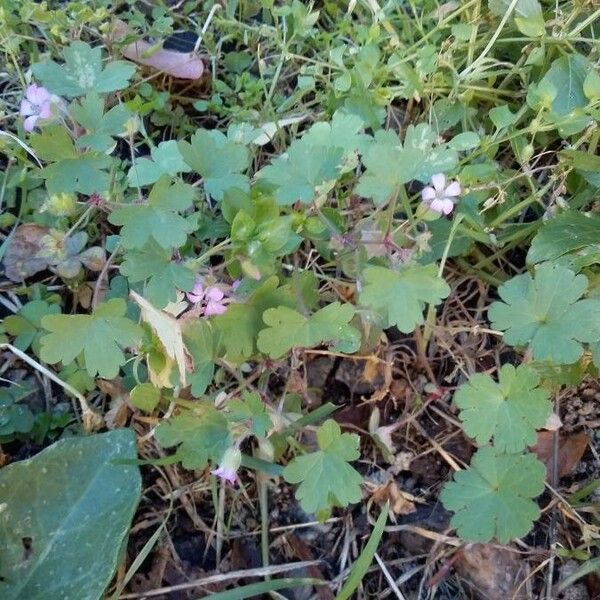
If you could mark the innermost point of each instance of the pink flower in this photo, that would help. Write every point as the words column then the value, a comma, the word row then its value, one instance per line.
column 229, row 465
column 36, row 105
column 197, row 293
column 214, row 306
column 211, row 297
column 439, row 196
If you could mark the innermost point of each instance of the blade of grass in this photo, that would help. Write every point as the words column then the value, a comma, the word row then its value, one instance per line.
column 590, row 566
column 365, row 559
column 262, row 587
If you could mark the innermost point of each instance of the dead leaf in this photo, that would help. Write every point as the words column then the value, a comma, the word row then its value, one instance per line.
column 183, row 65
column 570, row 450
column 117, row 414
column 21, row 259
column 494, row 572
column 401, row 503
column 168, row 331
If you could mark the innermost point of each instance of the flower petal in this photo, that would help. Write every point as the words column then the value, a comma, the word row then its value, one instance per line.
column 214, row 308
column 439, row 182
column 440, row 205
column 37, row 94
column 30, row 122
column 26, row 108
column 452, row 189
column 428, row 194
column 214, row 293
column 447, row 206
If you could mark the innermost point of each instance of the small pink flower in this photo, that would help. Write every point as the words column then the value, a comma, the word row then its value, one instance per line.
column 229, row 465
column 197, row 293
column 439, row 196
column 36, row 105
column 214, row 306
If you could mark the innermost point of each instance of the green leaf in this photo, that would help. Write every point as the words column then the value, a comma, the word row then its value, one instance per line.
column 468, row 140
column 502, row 117
column 166, row 160
column 303, row 172
column 326, row 479
column 288, row 329
column 163, row 275
column 100, row 126
column 567, row 232
column 15, row 417
column 26, row 325
column 527, row 14
column 201, row 434
column 567, row 75
column 101, row 336
column 70, row 496
column 509, row 412
column 261, row 588
column 219, row 161
column 545, row 313
column 492, row 499
column 157, row 217
column 389, row 163
column 145, row 397
column 253, row 410
column 238, row 328
column 86, row 174
column 83, row 72
column 53, row 143
column 199, row 340
column 362, row 564
column 400, row 297
column 344, row 131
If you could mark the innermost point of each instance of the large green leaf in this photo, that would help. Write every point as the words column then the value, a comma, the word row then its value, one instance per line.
column 527, row 14
column 399, row 297
column 326, row 479
column 545, row 313
column 83, row 72
column 509, row 411
column 65, row 513
column 492, row 499
column 568, row 232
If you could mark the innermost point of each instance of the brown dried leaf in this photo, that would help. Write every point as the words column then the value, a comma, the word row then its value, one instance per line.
column 493, row 571
column 400, row 502
column 118, row 412
column 570, row 450
column 21, row 260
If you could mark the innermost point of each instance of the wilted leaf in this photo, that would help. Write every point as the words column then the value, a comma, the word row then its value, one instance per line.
column 570, row 450
column 21, row 259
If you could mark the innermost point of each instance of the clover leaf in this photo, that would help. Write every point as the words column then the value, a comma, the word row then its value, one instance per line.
column 509, row 411
column 100, row 336
column 83, row 72
column 201, row 434
column 238, row 328
column 545, row 313
column 100, row 126
column 220, row 162
column 326, row 479
column 157, row 217
column 163, row 275
column 165, row 160
column 399, row 297
column 251, row 410
column 303, row 172
column 26, row 325
column 493, row 497
column 287, row 328
column 389, row 163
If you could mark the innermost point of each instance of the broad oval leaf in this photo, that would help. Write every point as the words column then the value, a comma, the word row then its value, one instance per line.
column 64, row 515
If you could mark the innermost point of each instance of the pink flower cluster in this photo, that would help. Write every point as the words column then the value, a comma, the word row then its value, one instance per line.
column 211, row 298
